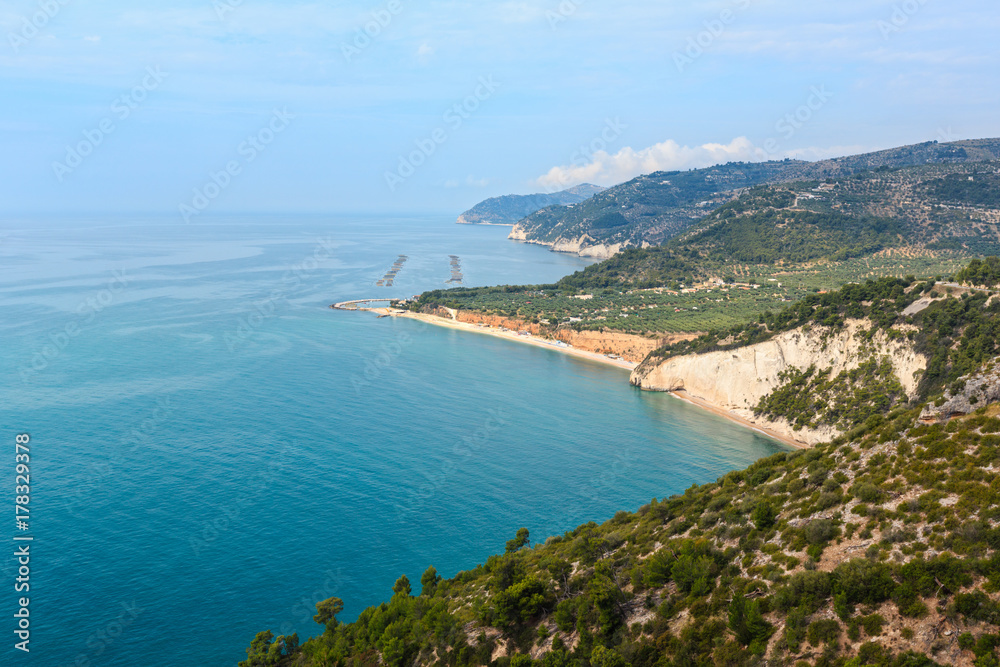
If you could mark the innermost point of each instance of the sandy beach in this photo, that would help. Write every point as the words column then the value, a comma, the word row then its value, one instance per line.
column 582, row 354
column 722, row 412
column 511, row 335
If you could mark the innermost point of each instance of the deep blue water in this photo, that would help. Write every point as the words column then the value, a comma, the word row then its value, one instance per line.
column 214, row 450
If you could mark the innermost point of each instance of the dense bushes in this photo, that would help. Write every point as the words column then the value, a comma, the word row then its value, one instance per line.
column 809, row 397
column 518, row 604
column 748, row 624
column 861, row 581
column 578, row 582
column 984, row 273
column 959, row 336
column 635, row 268
column 806, row 590
column 981, row 189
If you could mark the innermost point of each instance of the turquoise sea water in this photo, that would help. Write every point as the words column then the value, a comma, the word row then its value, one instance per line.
column 214, row 450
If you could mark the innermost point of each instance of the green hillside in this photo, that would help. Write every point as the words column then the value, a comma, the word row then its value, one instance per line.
column 659, row 206
column 508, row 209
column 934, row 207
column 772, row 245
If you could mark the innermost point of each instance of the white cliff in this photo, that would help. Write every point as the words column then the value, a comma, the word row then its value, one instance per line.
column 583, row 246
column 736, row 380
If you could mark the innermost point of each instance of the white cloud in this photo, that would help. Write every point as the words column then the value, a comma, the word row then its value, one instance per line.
column 470, row 181
column 424, row 53
column 626, row 164
column 606, row 169
column 92, row 38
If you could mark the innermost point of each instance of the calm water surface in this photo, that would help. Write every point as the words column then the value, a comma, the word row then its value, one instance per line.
column 214, row 450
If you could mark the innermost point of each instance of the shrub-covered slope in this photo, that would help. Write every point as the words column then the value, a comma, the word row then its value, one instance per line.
column 654, row 208
column 930, row 207
column 878, row 552
column 880, row 548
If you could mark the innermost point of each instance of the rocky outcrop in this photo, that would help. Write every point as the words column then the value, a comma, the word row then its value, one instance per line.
column 583, row 246
column 977, row 391
column 518, row 234
column 736, row 380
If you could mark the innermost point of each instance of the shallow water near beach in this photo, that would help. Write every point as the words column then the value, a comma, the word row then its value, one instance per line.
column 214, row 450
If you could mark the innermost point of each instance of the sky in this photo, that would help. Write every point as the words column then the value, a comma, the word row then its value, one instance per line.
column 393, row 106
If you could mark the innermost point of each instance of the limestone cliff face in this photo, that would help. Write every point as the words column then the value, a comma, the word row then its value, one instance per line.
column 977, row 390
column 737, row 379
column 518, row 234
column 583, row 246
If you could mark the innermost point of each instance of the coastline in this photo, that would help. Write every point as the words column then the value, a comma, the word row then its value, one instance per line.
column 463, row 221
column 682, row 395
column 510, row 335
column 591, row 356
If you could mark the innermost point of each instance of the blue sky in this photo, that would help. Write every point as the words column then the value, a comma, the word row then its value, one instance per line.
column 398, row 106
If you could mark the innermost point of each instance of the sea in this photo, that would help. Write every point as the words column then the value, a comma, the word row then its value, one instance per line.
column 213, row 449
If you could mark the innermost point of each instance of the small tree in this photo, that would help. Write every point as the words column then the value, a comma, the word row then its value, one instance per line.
column 764, row 515
column 747, row 623
column 519, row 541
column 327, row 610
column 265, row 653
column 402, row 585
column 429, row 581
column 560, row 570
column 606, row 657
column 518, row 604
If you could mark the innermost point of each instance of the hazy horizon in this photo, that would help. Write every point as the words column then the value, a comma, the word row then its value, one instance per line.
column 387, row 107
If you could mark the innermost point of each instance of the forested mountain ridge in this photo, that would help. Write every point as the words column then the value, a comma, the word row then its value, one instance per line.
column 508, row 209
column 880, row 548
column 771, row 245
column 933, row 207
column 654, row 208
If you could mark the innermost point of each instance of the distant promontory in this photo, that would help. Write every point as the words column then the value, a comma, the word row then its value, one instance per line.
column 509, row 209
